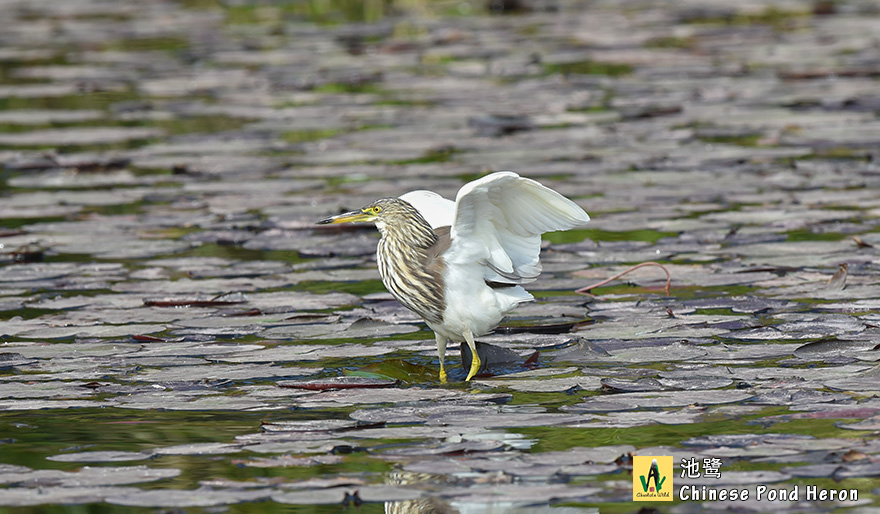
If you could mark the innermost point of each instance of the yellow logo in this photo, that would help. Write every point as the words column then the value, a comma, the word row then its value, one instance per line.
column 652, row 478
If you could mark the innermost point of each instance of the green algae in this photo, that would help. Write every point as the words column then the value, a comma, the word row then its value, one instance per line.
column 434, row 155
column 148, row 44
column 234, row 252
column 670, row 42
column 608, row 69
column 302, row 136
column 17, row 223
column 25, row 313
column 406, row 371
column 808, row 235
column 750, row 140
column 350, row 88
column 171, row 127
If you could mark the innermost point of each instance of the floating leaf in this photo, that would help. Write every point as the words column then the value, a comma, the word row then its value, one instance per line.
column 347, row 382
column 99, row 456
column 202, row 497
column 18, row 497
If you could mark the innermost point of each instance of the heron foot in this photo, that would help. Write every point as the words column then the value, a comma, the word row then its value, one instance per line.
column 442, row 375
column 475, row 366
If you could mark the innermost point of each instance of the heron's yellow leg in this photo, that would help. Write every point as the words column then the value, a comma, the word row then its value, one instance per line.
column 441, row 352
column 475, row 359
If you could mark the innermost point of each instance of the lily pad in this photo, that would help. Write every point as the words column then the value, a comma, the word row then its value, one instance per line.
column 99, row 456
column 350, row 382
column 202, row 497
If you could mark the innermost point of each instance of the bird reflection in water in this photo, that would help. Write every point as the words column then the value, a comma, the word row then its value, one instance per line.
column 428, row 505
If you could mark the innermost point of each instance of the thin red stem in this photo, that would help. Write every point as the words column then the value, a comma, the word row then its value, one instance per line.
column 586, row 290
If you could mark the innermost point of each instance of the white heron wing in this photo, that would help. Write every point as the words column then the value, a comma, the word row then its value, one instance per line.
column 437, row 211
column 499, row 220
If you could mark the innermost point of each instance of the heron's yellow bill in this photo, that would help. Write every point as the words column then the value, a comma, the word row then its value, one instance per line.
column 347, row 217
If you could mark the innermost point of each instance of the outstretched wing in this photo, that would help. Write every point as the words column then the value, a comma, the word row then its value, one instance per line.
column 437, row 211
column 499, row 220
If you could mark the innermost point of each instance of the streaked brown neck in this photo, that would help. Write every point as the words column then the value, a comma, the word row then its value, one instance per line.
column 409, row 229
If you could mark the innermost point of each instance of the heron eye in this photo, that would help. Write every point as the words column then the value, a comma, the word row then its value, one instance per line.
column 377, row 209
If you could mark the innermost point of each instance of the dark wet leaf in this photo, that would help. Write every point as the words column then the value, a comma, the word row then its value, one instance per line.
column 490, row 356
column 10, row 360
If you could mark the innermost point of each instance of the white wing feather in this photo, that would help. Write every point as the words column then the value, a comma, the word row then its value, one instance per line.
column 437, row 211
column 499, row 220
